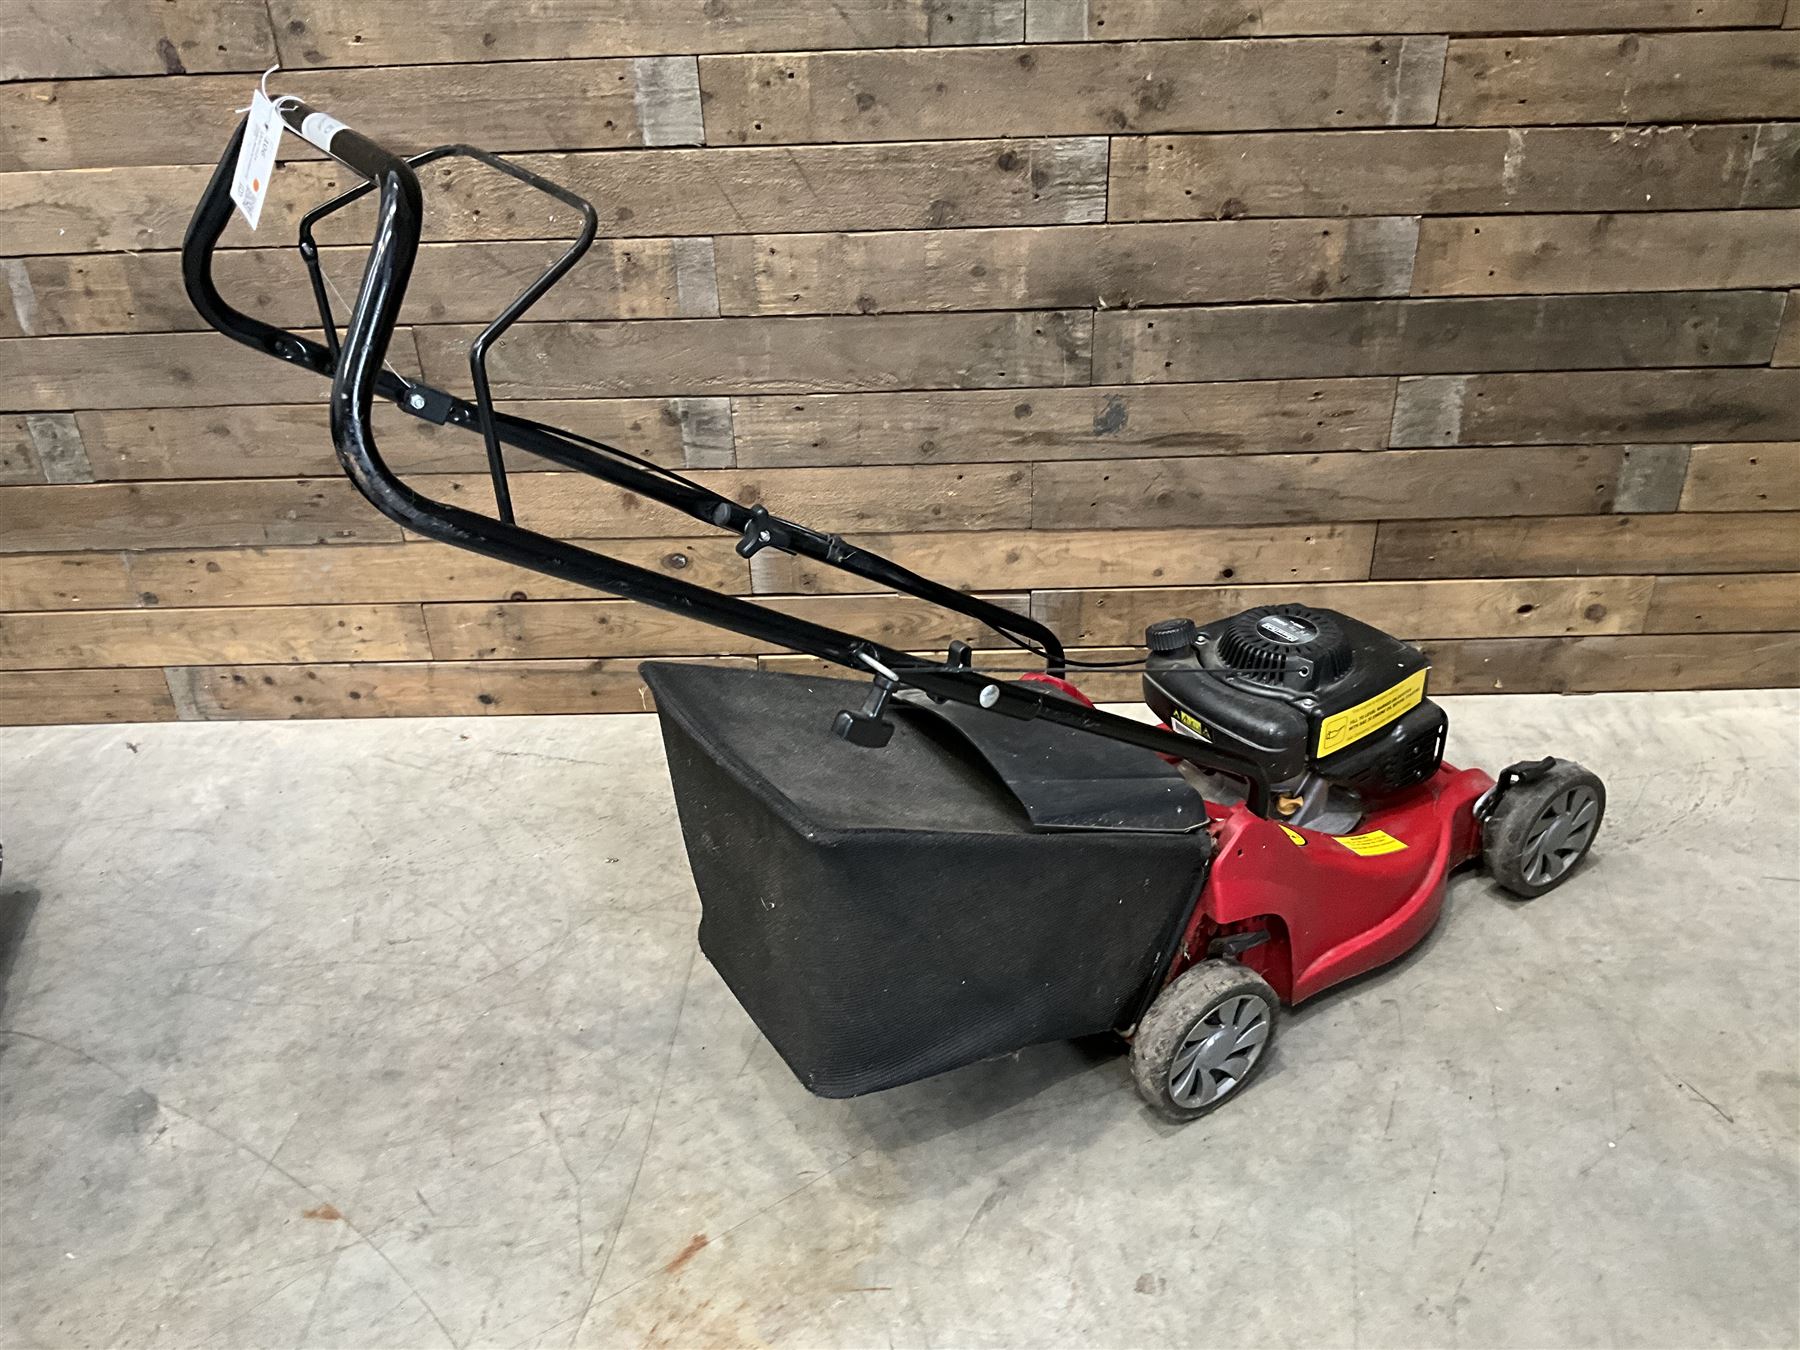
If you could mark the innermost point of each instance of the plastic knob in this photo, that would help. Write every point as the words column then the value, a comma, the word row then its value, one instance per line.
column 1171, row 636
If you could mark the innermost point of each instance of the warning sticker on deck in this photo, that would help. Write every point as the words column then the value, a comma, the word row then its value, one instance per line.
column 1370, row 845
column 1295, row 835
column 1351, row 725
column 1186, row 721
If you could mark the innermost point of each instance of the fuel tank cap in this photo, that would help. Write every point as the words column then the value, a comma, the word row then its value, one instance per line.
column 1171, row 637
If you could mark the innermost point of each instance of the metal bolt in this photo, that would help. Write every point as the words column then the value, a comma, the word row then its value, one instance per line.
column 415, row 401
column 990, row 695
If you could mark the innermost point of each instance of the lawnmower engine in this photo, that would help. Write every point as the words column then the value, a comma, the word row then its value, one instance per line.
column 1333, row 709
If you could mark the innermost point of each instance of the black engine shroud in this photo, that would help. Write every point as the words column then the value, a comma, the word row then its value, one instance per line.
column 1306, row 693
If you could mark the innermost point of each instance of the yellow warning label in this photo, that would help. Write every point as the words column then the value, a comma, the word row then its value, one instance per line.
column 1193, row 724
column 1351, row 725
column 1370, row 845
column 1298, row 838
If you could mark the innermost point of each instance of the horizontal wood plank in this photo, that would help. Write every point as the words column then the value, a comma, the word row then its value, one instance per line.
column 89, row 124
column 1621, row 78
column 353, row 33
column 57, row 697
column 256, row 512
column 1404, row 337
column 419, row 689
column 1044, row 424
column 1544, row 665
column 595, row 628
column 1613, row 407
column 294, row 440
column 489, row 688
column 92, row 639
column 993, row 560
column 1450, row 171
column 32, row 581
column 793, row 355
column 353, row 574
column 1546, row 255
column 1749, row 603
column 1387, row 485
column 636, row 193
column 1098, row 266
column 1587, row 545
column 486, row 688
column 60, row 212
column 1751, row 476
column 1595, row 665
column 1134, row 20
column 453, row 283
column 1024, row 560
column 845, row 500
column 395, row 573
column 1070, row 89
column 1540, row 665
column 277, row 512
column 45, row 39
column 1535, row 607
column 145, row 370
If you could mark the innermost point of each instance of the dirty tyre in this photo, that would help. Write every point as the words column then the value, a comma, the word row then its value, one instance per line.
column 1540, row 832
column 1204, row 1039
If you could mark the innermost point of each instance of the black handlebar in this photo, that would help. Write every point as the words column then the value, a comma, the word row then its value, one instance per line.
column 355, row 366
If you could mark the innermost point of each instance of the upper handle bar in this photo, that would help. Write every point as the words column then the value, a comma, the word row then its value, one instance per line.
column 355, row 368
column 357, row 375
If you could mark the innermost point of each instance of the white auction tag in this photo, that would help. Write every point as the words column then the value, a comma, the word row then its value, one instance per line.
column 256, row 157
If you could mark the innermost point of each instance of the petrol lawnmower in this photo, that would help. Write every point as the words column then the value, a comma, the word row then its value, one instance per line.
column 936, row 863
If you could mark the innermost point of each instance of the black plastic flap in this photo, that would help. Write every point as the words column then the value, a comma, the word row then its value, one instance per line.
column 1068, row 780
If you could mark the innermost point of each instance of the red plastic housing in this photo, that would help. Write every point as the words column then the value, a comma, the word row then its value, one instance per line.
column 1334, row 909
column 1062, row 687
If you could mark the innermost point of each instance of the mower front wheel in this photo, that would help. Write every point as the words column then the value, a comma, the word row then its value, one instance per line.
column 1203, row 1039
column 1540, row 831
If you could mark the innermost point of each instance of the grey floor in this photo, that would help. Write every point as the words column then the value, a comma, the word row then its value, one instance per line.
column 394, row 1033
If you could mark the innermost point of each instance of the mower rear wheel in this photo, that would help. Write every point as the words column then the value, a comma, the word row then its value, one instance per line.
column 1541, row 831
column 1203, row 1039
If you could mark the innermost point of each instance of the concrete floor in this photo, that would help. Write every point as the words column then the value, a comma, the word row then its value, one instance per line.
column 394, row 1033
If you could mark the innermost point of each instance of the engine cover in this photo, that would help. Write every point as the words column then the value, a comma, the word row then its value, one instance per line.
column 1303, row 692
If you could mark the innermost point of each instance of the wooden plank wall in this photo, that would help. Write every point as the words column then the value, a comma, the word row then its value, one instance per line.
column 1478, row 320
